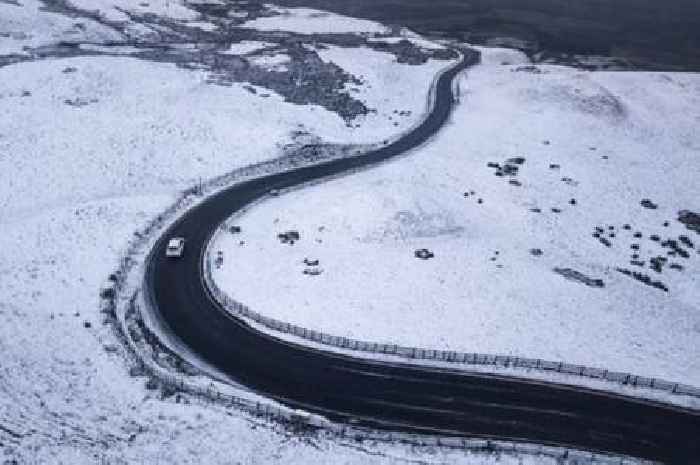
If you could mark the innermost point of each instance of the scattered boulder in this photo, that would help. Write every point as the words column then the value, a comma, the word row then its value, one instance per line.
column 423, row 254
column 536, row 252
column 685, row 240
column 691, row 220
column 516, row 160
column 657, row 263
column 646, row 203
column 644, row 279
column 577, row 276
column 314, row 271
column 289, row 237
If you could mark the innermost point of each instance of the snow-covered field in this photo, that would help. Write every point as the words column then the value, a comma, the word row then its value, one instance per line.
column 310, row 21
column 594, row 146
column 91, row 149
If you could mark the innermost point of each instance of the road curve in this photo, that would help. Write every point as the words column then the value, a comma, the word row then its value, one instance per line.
column 397, row 396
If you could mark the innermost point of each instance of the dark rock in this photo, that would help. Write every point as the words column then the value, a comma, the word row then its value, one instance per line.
column 646, row 203
column 657, row 263
column 685, row 240
column 493, row 165
column 313, row 271
column 516, row 160
column 655, row 237
column 637, row 234
column 577, row 276
column 691, row 220
column 671, row 244
column 510, row 170
column 423, row 254
column 514, row 182
column 152, row 384
column 626, row 227
column 107, row 293
column 288, row 237
column 554, row 166
column 645, row 279
column 572, row 202
column 536, row 252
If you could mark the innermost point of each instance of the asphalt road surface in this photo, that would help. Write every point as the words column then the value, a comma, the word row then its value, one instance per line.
column 397, row 396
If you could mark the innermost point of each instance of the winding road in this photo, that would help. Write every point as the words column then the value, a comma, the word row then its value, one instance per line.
column 397, row 396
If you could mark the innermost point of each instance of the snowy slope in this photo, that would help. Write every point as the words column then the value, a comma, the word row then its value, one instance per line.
column 91, row 149
column 310, row 21
column 593, row 148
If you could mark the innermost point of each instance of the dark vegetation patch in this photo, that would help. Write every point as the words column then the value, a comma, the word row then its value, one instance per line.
column 548, row 31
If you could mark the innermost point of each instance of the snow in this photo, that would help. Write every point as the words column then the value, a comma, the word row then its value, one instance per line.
column 407, row 34
column 247, row 46
column 272, row 62
column 485, row 291
column 114, row 10
column 91, row 149
column 397, row 91
column 186, row 138
column 310, row 21
column 27, row 26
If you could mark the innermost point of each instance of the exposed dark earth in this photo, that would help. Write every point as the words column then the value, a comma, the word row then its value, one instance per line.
column 304, row 79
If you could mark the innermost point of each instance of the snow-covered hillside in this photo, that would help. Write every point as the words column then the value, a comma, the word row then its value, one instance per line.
column 551, row 204
column 107, row 111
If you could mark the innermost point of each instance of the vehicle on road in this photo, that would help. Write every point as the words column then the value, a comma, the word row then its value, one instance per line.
column 175, row 247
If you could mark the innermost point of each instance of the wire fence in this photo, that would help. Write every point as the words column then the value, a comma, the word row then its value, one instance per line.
column 416, row 353
column 267, row 411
